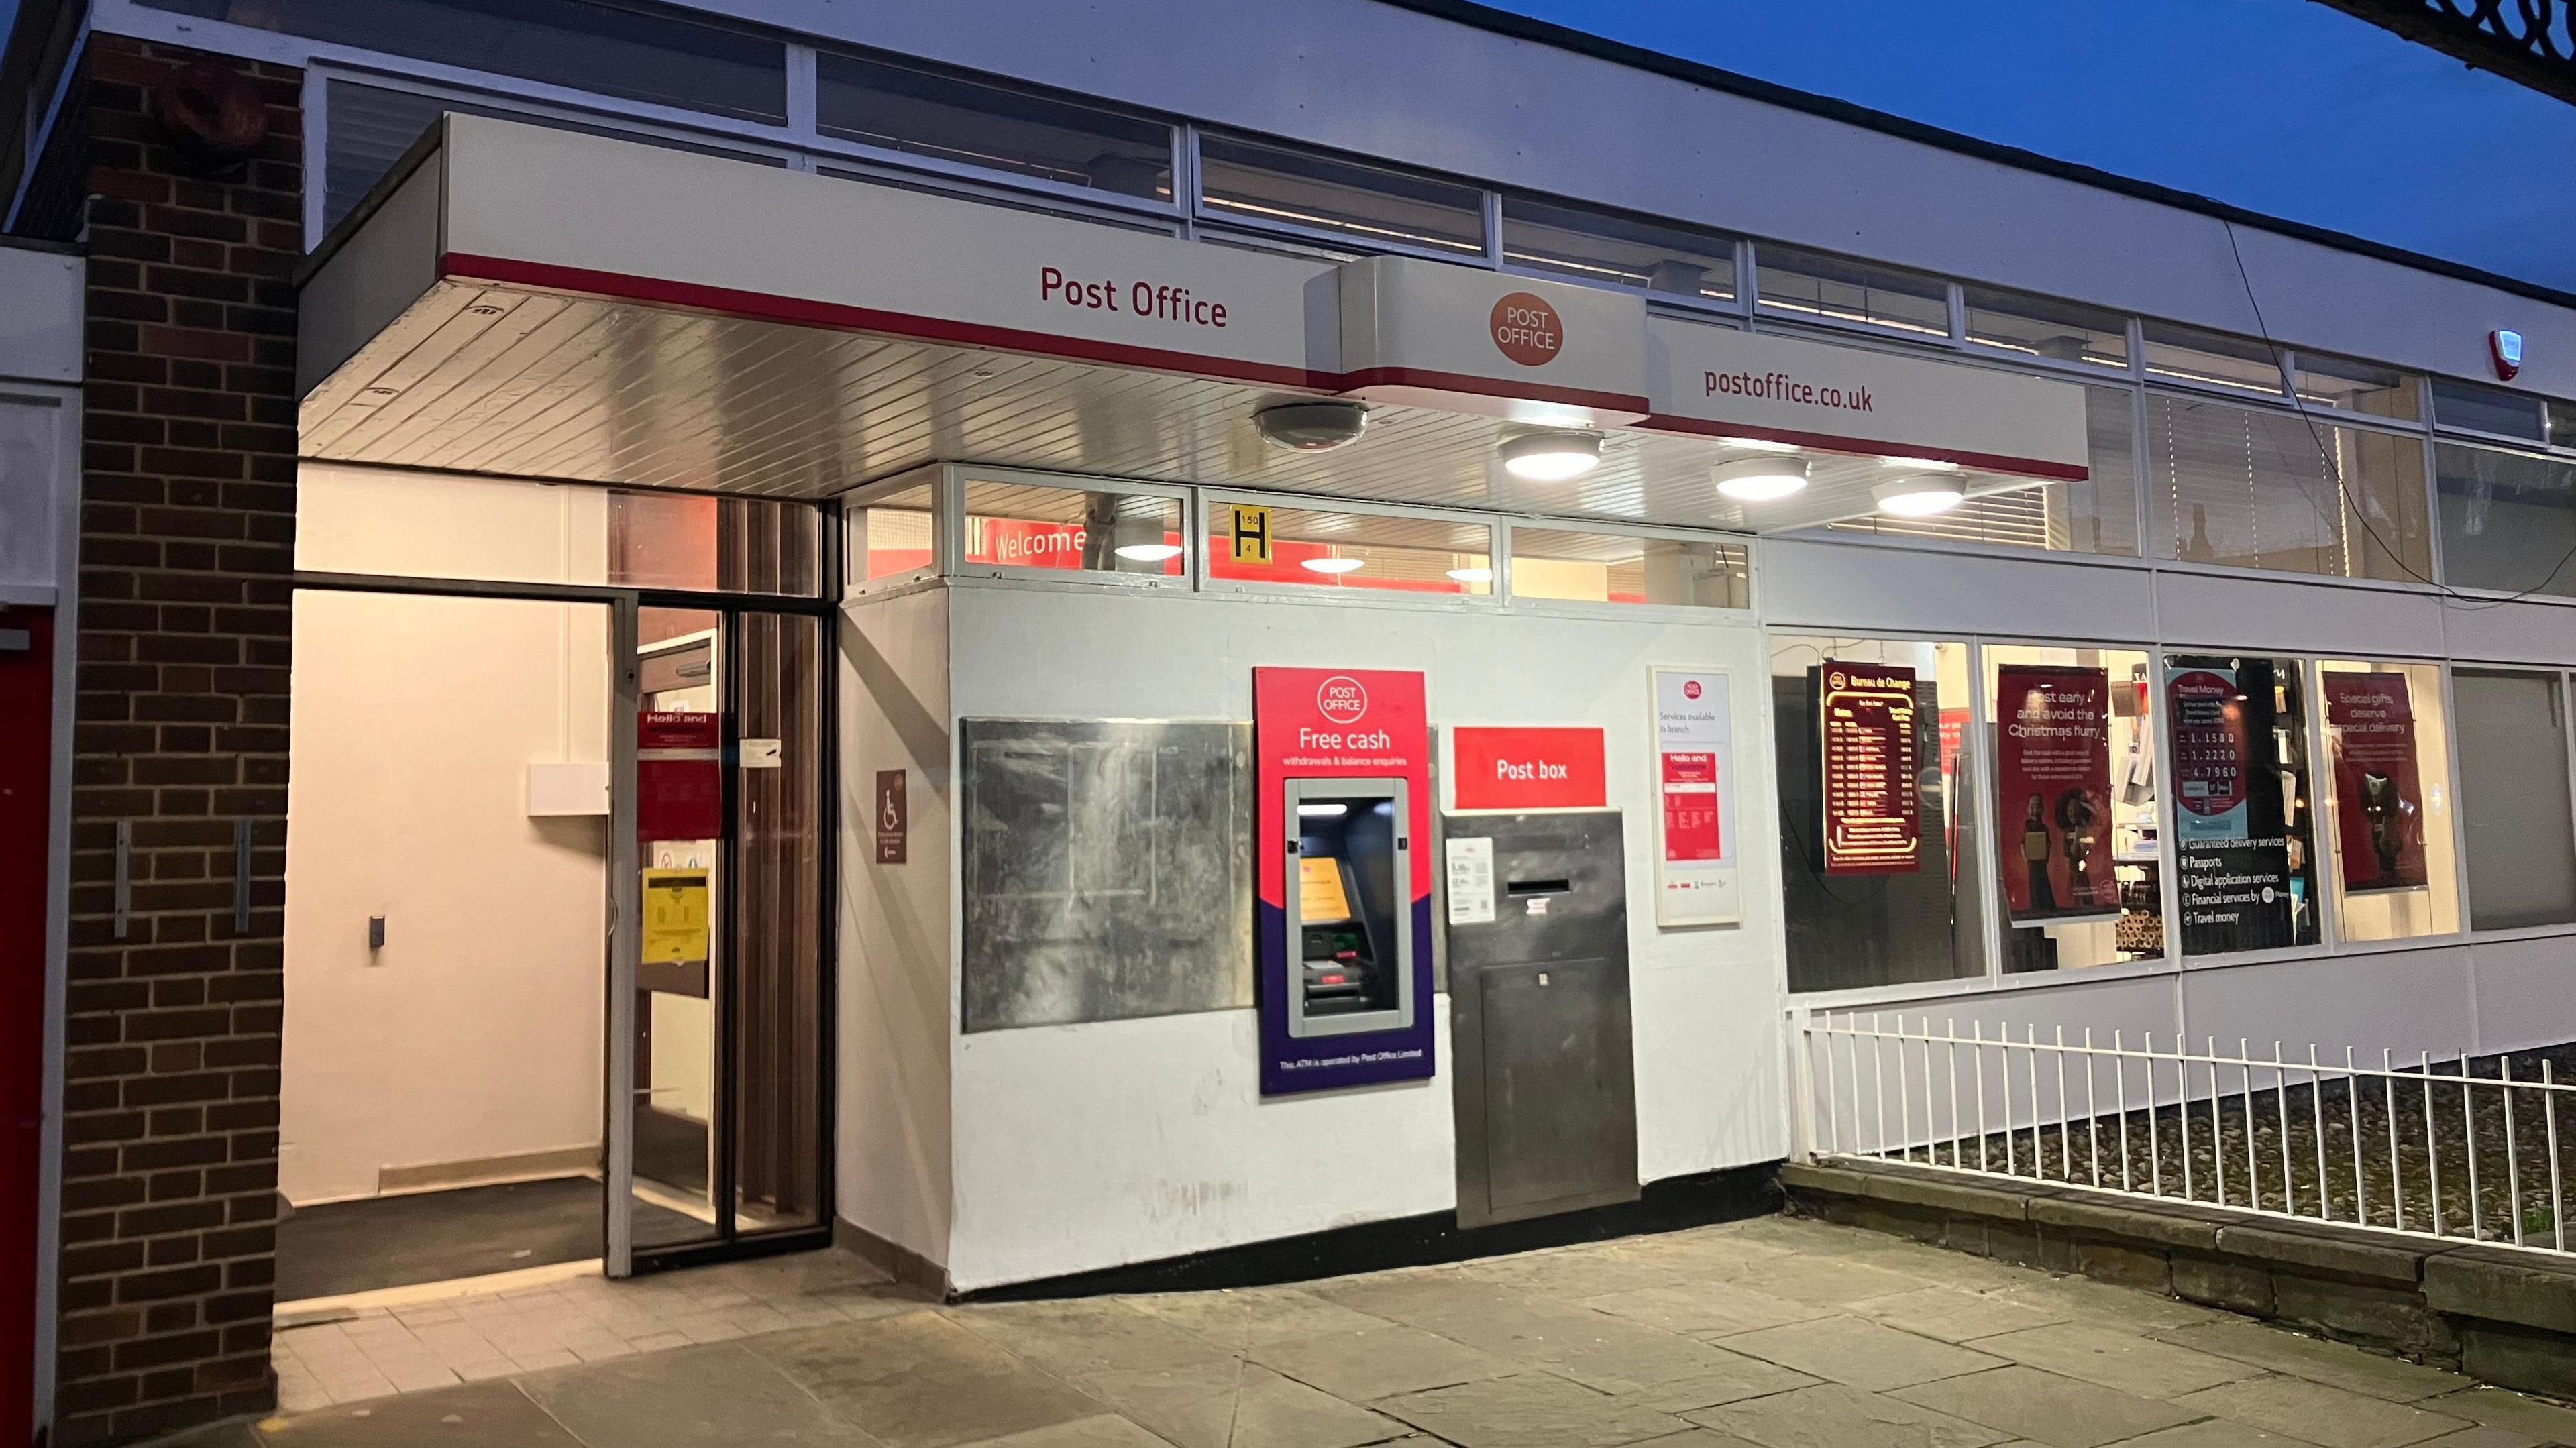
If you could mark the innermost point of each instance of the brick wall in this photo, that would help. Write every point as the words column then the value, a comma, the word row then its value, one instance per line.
column 187, row 529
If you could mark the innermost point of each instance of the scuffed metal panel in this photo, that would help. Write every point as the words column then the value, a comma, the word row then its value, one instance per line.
column 1107, row 870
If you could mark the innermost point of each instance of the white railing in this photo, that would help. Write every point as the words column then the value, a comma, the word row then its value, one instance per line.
column 2450, row 1145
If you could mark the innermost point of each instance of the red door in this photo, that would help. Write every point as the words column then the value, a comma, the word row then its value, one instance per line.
column 26, row 752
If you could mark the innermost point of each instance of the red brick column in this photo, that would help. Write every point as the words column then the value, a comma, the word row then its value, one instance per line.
column 187, row 532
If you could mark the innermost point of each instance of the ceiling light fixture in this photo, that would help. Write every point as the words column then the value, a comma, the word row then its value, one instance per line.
column 1760, row 480
column 1917, row 497
column 1550, row 457
column 1311, row 426
column 1334, row 565
column 1919, row 465
column 1472, row 575
column 1757, row 444
column 1148, row 552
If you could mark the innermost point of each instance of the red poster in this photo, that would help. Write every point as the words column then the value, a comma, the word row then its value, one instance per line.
column 1872, row 816
column 1528, row 768
column 2379, row 797
column 2053, row 781
column 679, row 775
column 1690, row 807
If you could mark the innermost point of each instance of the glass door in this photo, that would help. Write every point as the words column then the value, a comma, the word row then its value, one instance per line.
column 718, row 988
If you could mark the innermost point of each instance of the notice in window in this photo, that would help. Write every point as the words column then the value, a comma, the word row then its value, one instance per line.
column 1872, row 822
column 2053, row 784
column 1695, row 874
column 2239, row 862
column 2379, row 798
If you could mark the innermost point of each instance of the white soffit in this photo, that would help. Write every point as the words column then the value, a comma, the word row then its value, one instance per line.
column 541, row 304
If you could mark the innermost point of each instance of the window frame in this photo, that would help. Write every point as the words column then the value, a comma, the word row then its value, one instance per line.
column 950, row 555
column 1506, row 590
column 1208, row 498
column 1738, row 248
column 1749, row 288
column 1201, row 214
column 855, row 584
column 2563, row 681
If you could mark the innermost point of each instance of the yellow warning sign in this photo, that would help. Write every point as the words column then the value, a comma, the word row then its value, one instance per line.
column 675, row 916
column 1319, row 890
column 1251, row 533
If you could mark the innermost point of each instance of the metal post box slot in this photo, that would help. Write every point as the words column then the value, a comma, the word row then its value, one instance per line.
column 1545, row 1090
column 1348, row 864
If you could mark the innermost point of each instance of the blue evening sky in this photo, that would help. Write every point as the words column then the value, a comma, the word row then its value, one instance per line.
column 2281, row 106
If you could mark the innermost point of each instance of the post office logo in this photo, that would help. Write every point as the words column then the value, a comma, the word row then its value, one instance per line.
column 1341, row 699
column 1527, row 330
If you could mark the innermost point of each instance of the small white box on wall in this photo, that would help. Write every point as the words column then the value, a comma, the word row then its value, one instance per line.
column 576, row 788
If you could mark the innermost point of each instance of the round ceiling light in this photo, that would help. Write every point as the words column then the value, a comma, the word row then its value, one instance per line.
column 1311, row 426
column 1550, row 457
column 1919, row 465
column 1334, row 565
column 1762, row 479
column 1472, row 575
column 1148, row 552
column 1757, row 444
column 1918, row 497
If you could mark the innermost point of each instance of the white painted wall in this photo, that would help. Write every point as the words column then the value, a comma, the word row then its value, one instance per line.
column 1080, row 1147
column 897, row 1020
column 476, row 1031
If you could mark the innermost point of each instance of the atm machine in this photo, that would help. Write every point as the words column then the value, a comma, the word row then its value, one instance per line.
column 1545, row 1087
column 1353, row 966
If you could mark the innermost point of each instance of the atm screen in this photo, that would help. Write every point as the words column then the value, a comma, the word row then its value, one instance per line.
column 1348, row 897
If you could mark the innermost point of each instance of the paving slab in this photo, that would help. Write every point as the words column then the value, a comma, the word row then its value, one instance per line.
column 1379, row 1362
column 720, row 1396
column 1530, row 1410
column 1237, row 1405
column 1955, row 1316
column 1730, row 1377
column 477, row 1415
column 1831, row 1415
column 2483, row 1437
column 1106, row 1431
column 2045, row 1408
column 1572, row 1272
column 1703, row 1308
column 1859, row 1353
column 2328, row 1416
column 2116, row 1359
column 2316, row 1360
column 2502, row 1408
column 1087, row 1335
column 1827, row 1281
column 1238, row 1319
column 2215, row 1433
column 918, row 1381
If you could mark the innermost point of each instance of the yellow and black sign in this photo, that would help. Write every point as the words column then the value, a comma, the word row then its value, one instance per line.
column 675, row 917
column 1251, row 533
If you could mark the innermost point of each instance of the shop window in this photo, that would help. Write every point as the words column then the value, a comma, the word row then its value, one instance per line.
column 893, row 537
column 368, row 128
column 1876, row 811
column 2077, row 813
column 2043, row 327
column 1830, row 289
column 1014, row 526
column 2098, row 515
column 2508, row 520
column 1608, row 248
column 1401, row 553
column 609, row 50
column 397, row 522
column 2562, row 424
column 1272, row 186
column 1589, row 567
column 2363, row 387
column 2514, row 801
column 2243, row 809
column 2388, row 798
column 2472, row 408
column 971, row 124
column 2249, row 488
column 2210, row 359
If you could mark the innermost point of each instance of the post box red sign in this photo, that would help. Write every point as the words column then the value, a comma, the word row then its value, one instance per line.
column 1528, row 768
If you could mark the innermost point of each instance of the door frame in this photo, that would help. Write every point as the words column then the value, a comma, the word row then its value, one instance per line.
column 619, row 1257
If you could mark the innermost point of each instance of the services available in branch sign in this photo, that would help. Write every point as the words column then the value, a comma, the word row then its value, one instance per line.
column 1695, row 863
column 1872, row 823
column 2053, row 771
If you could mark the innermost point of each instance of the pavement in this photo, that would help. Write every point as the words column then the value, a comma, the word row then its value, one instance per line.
column 1769, row 1333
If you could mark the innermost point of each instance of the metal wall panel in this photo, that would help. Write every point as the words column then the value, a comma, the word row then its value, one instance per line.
column 1107, row 870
